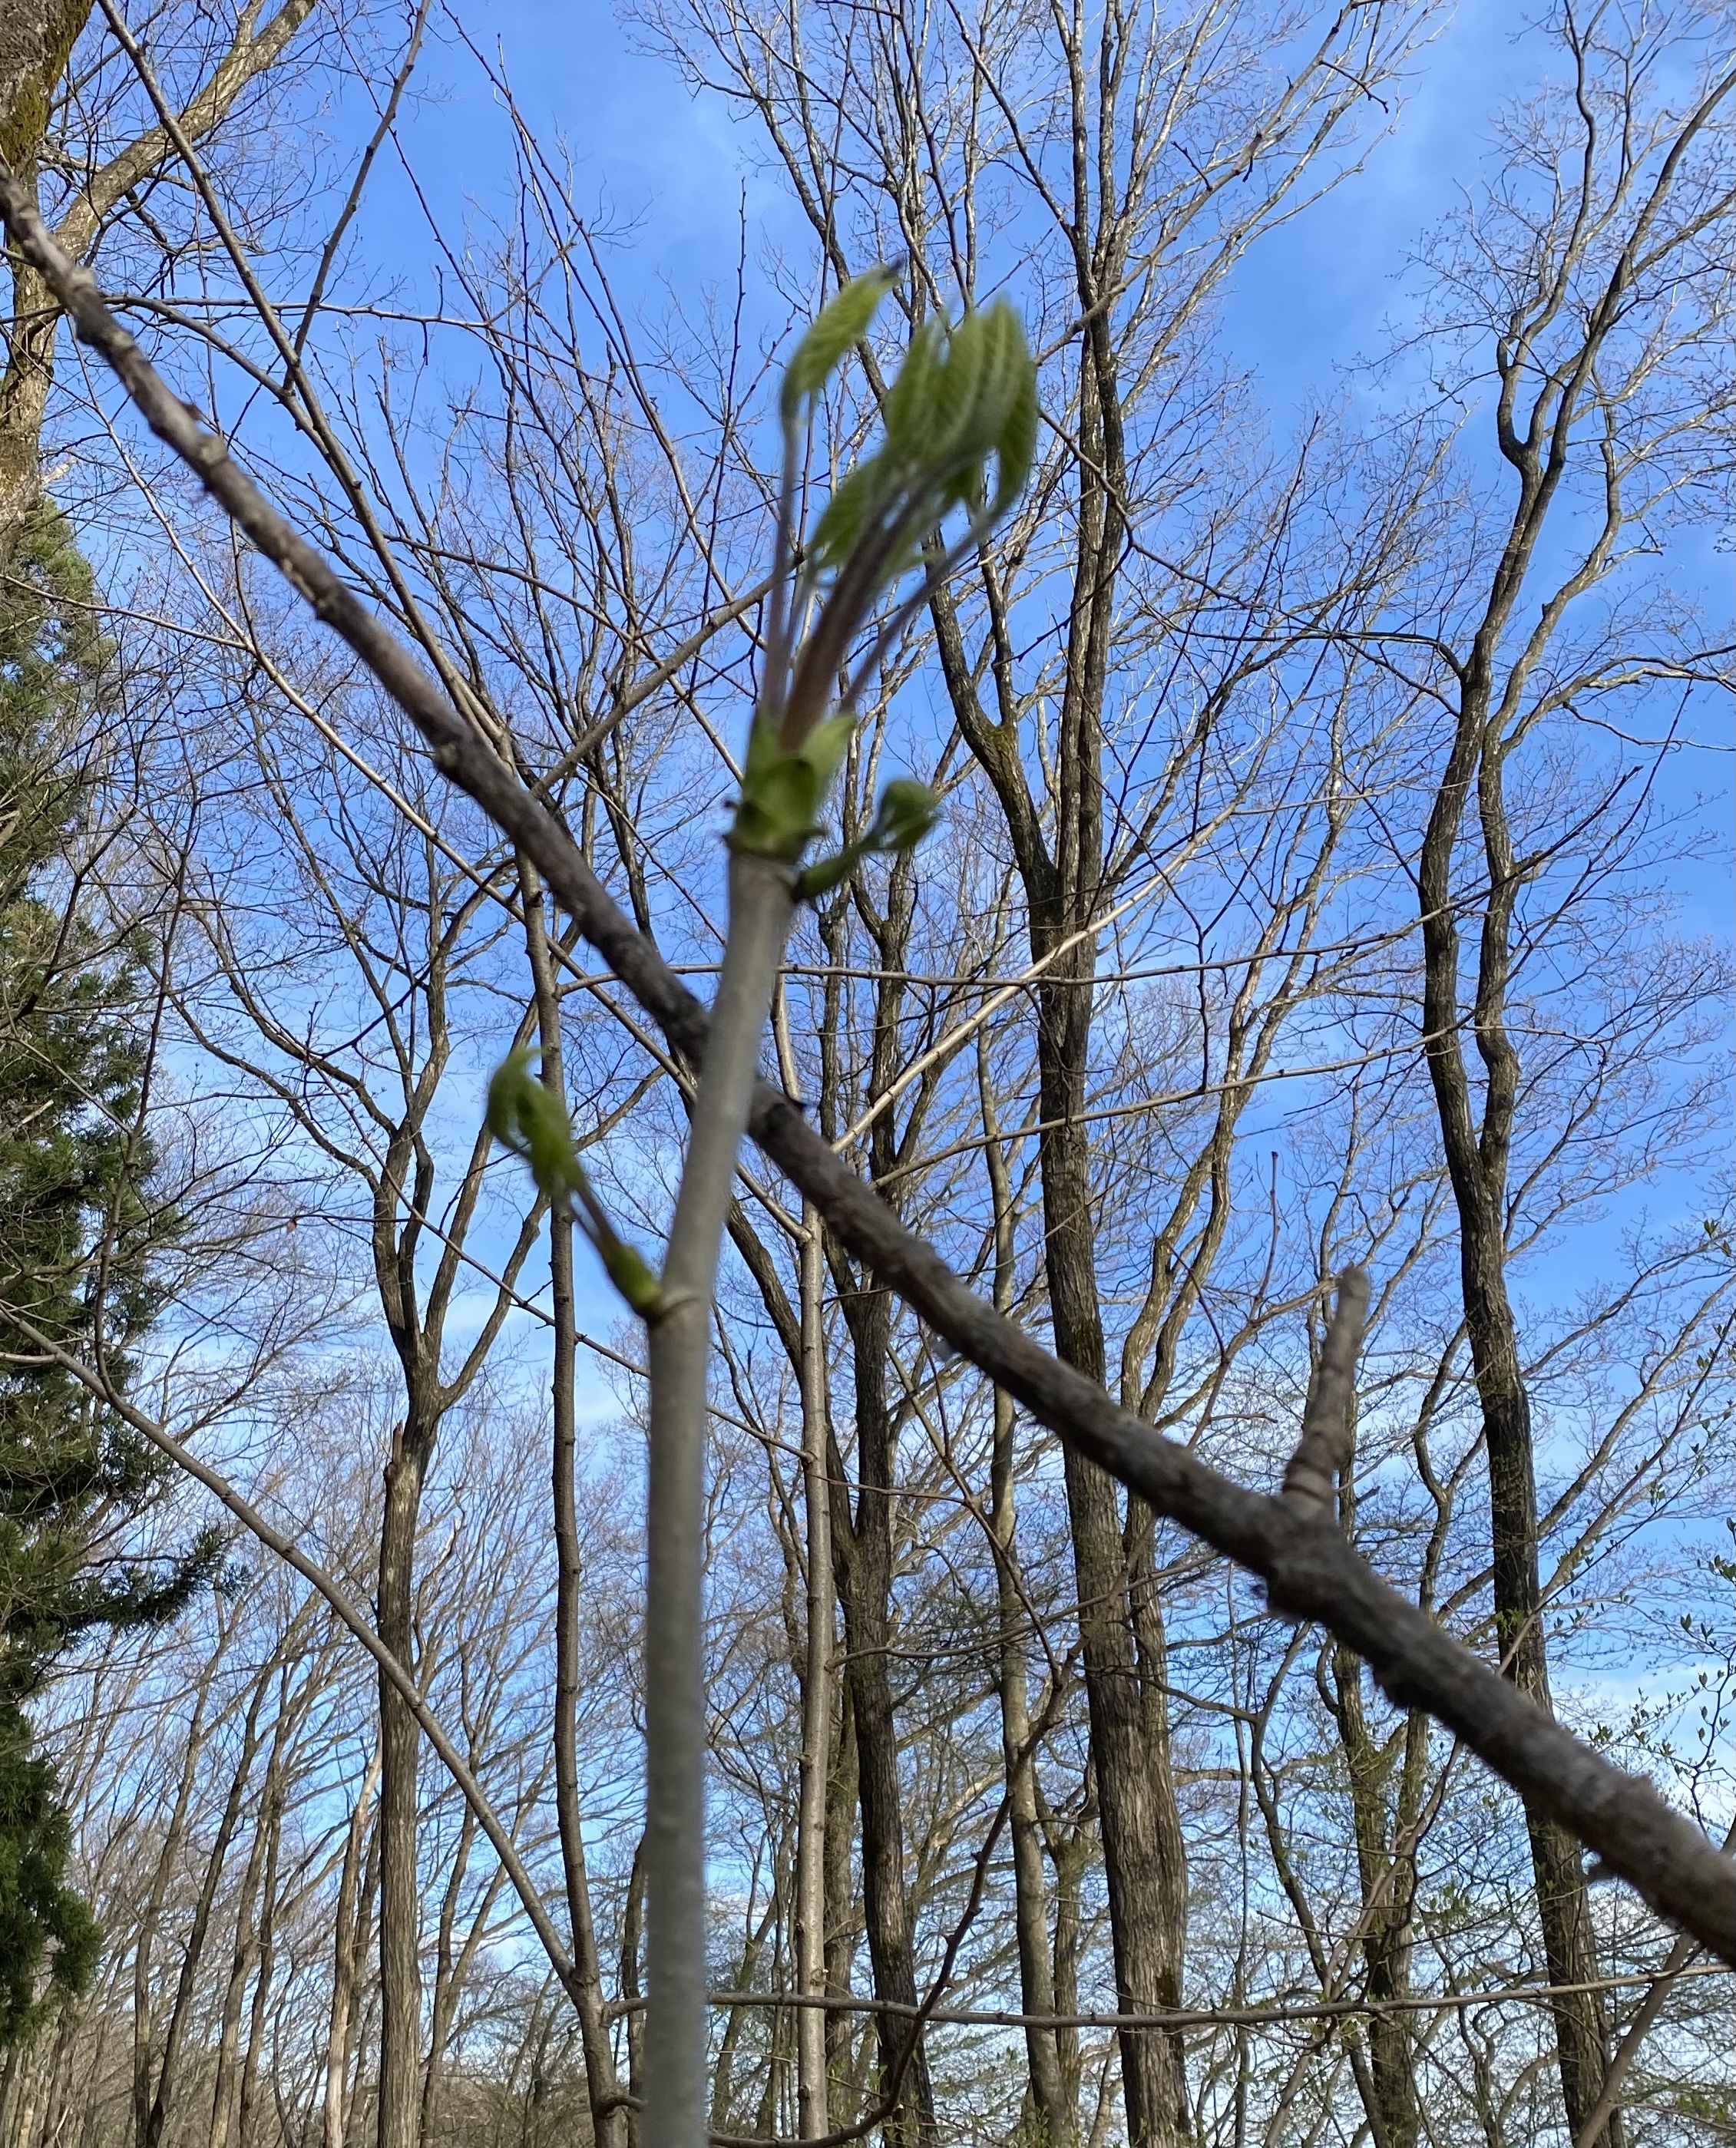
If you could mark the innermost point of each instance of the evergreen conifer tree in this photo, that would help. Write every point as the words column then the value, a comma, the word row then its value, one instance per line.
column 76, row 1236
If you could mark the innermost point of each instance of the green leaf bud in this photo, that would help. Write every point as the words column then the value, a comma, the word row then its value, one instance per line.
column 838, row 328
column 783, row 791
column 528, row 1118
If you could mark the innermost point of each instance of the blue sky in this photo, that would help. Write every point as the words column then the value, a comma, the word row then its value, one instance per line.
column 1312, row 299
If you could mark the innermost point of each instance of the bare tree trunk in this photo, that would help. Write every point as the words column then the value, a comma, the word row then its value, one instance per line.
column 1624, row 249
column 632, row 1990
column 1054, row 2109
column 813, row 2122
column 1141, row 1829
column 602, row 2086
column 1070, row 1850
column 400, row 1897
column 866, row 1541
column 843, row 1923
column 1477, row 1159
column 265, row 1960
column 242, row 1957
column 144, row 2104
column 1387, row 1874
column 193, row 1952
column 349, row 1951
column 446, row 1978
column 867, row 1623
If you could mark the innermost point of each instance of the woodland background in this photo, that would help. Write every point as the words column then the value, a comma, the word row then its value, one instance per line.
column 1334, row 868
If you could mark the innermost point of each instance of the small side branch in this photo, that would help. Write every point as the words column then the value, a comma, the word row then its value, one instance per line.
column 1328, row 1432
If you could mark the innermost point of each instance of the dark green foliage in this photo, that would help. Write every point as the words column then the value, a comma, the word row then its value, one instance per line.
column 41, row 1918
column 77, row 1234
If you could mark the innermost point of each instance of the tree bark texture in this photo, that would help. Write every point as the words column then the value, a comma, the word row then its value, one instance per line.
column 1055, row 2110
column 816, row 1692
column 1385, row 1866
column 863, row 1542
column 868, row 1633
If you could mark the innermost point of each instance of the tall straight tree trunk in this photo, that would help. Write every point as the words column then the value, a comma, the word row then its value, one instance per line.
column 400, row 1900
column 193, row 1949
column 812, row 2101
column 247, row 2105
column 144, row 1942
column 248, row 1919
column 1387, row 1871
column 1053, row 2107
column 1061, row 874
column 633, row 1915
column 348, row 1948
column 1141, row 1828
column 868, row 1633
column 843, row 1924
column 1477, row 1149
column 448, row 1979
column 863, row 1543
column 602, row 2086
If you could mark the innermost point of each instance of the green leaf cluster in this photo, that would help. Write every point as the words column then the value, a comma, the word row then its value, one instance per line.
column 784, row 789
column 965, row 398
column 964, row 402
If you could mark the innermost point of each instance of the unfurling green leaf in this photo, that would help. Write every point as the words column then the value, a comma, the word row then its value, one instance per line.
column 962, row 395
column 824, row 875
column 1015, row 449
column 784, row 788
column 849, row 511
column 824, row 747
column 911, row 399
column 838, row 328
column 906, row 811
